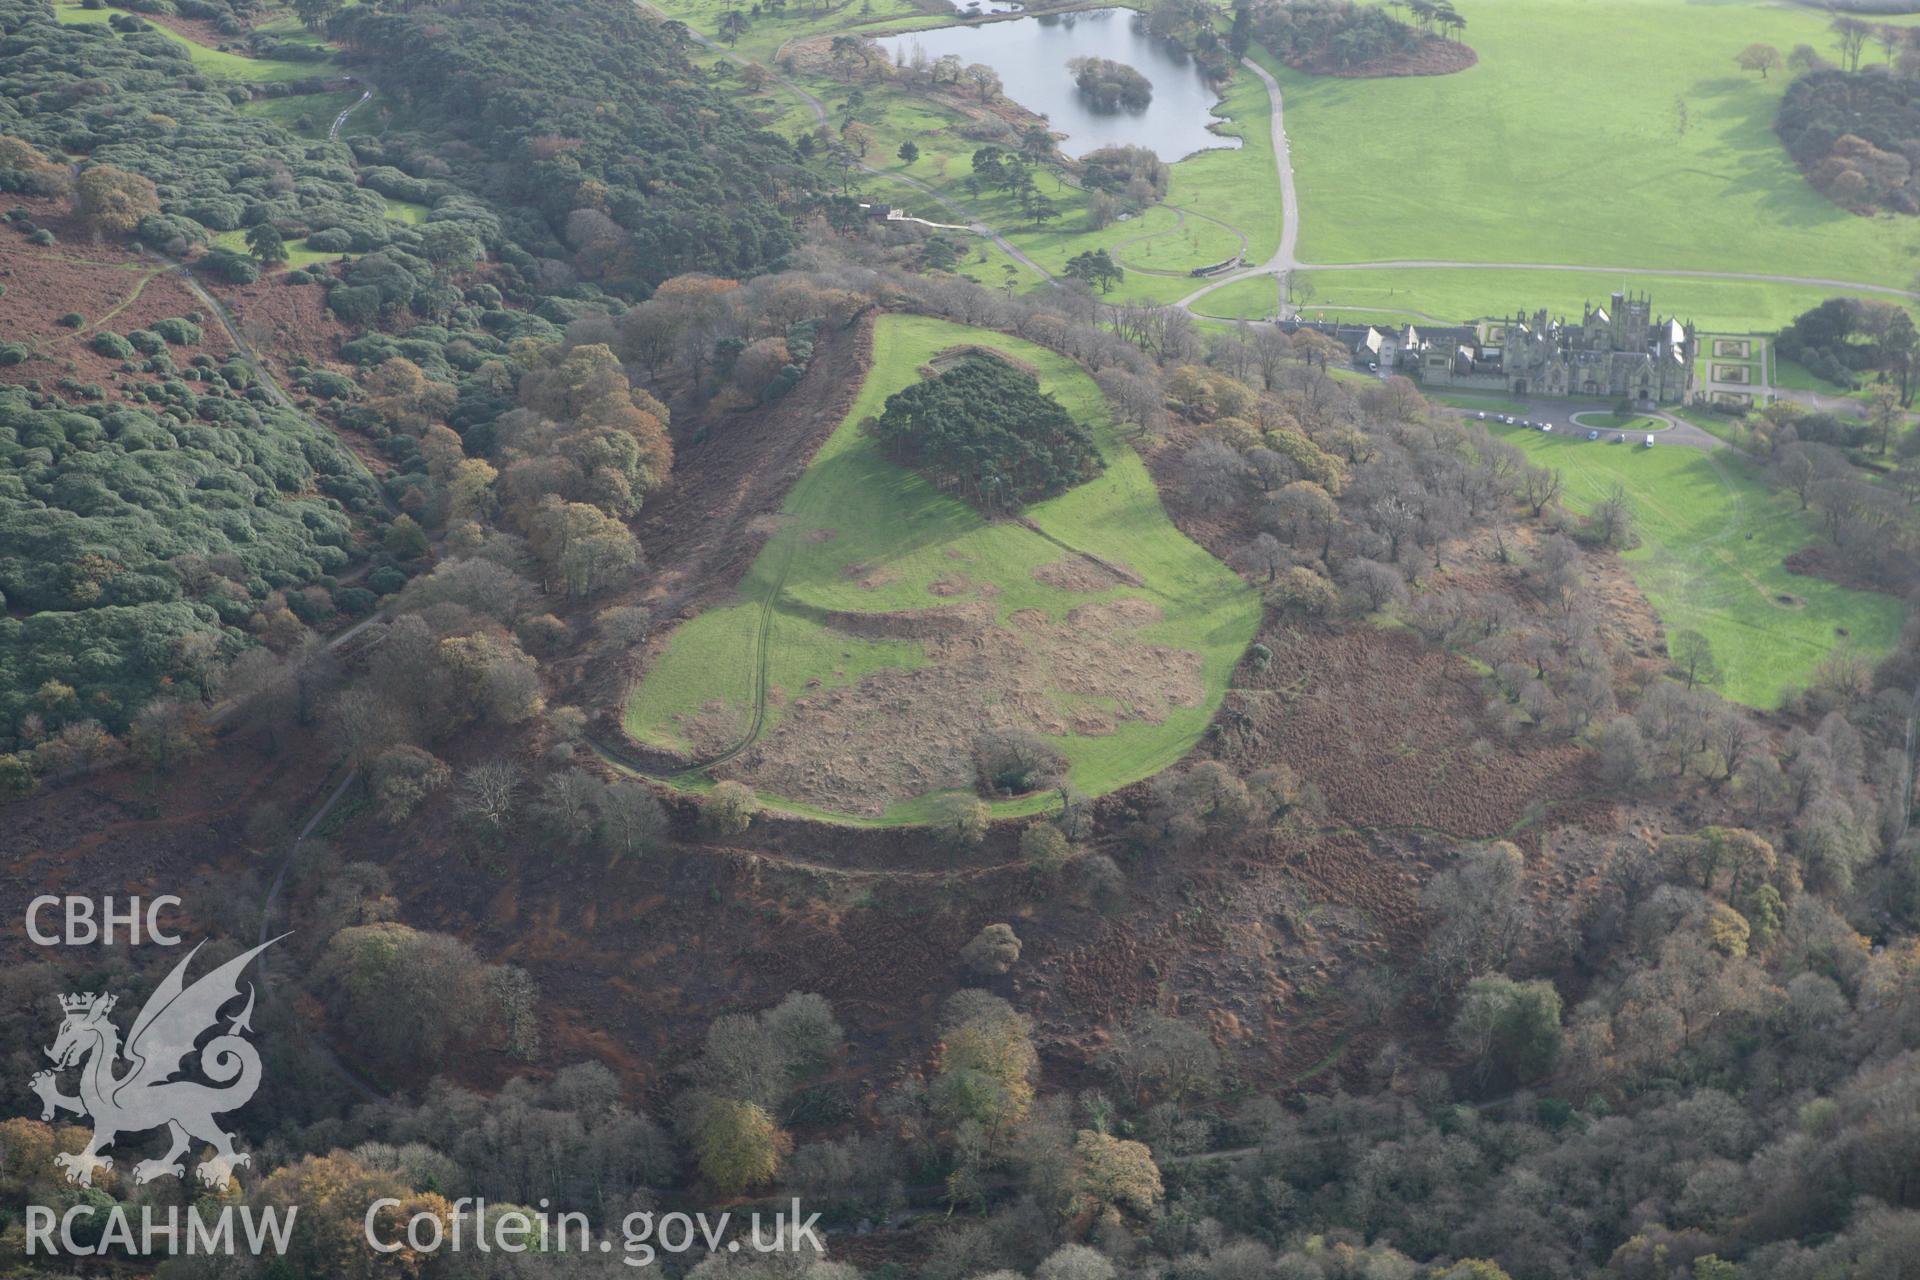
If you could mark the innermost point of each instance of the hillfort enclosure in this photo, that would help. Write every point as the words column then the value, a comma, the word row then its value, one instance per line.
column 960, row 640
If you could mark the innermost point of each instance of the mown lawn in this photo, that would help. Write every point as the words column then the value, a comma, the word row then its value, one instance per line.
column 893, row 530
column 1404, row 295
column 1711, row 559
column 1794, row 376
column 1255, row 298
column 1567, row 143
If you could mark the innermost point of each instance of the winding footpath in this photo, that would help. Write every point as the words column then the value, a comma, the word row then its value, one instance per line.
column 340, row 121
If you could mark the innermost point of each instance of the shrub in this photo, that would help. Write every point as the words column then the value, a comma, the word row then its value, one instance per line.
column 386, row 580
column 728, row 809
column 232, row 267
column 355, row 304
column 329, row 385
column 178, row 331
column 111, row 345
column 330, row 240
column 355, row 602
column 146, row 342
column 170, row 233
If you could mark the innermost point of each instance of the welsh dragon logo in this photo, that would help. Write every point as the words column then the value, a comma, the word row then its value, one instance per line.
column 146, row 1096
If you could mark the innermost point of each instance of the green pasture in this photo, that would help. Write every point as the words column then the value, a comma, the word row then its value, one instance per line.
column 1488, row 401
column 1255, row 298
column 1790, row 375
column 210, row 62
column 895, row 531
column 1403, row 295
column 298, row 255
column 406, row 210
column 1713, row 540
column 307, row 114
column 1608, row 132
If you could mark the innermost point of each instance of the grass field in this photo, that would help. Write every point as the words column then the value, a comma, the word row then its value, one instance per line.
column 1566, row 144
column 1794, row 376
column 211, row 62
column 862, row 536
column 406, row 211
column 1255, row 298
column 298, row 255
column 1713, row 542
column 307, row 114
column 1457, row 295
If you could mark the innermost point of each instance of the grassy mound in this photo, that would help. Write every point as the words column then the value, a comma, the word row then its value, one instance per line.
column 885, row 624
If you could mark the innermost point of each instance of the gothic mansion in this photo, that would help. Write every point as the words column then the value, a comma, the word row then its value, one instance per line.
column 1619, row 352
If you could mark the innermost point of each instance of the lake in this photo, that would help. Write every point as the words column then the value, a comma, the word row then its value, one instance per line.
column 1031, row 56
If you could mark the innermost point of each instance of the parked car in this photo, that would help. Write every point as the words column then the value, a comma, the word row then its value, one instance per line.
column 1593, row 435
column 1649, row 442
column 1482, row 415
column 1619, row 437
column 1546, row 426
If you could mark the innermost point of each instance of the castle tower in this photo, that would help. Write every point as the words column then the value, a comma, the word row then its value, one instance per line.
column 1632, row 317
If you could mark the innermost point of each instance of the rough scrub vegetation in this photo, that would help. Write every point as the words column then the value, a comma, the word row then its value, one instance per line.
column 665, row 175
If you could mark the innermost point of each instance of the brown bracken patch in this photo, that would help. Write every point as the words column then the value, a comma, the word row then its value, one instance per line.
column 1074, row 573
column 897, row 734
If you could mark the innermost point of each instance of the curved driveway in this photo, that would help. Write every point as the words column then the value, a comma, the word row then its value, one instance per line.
column 1285, row 258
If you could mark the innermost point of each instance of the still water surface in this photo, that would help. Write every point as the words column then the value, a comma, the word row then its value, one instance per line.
column 1031, row 56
